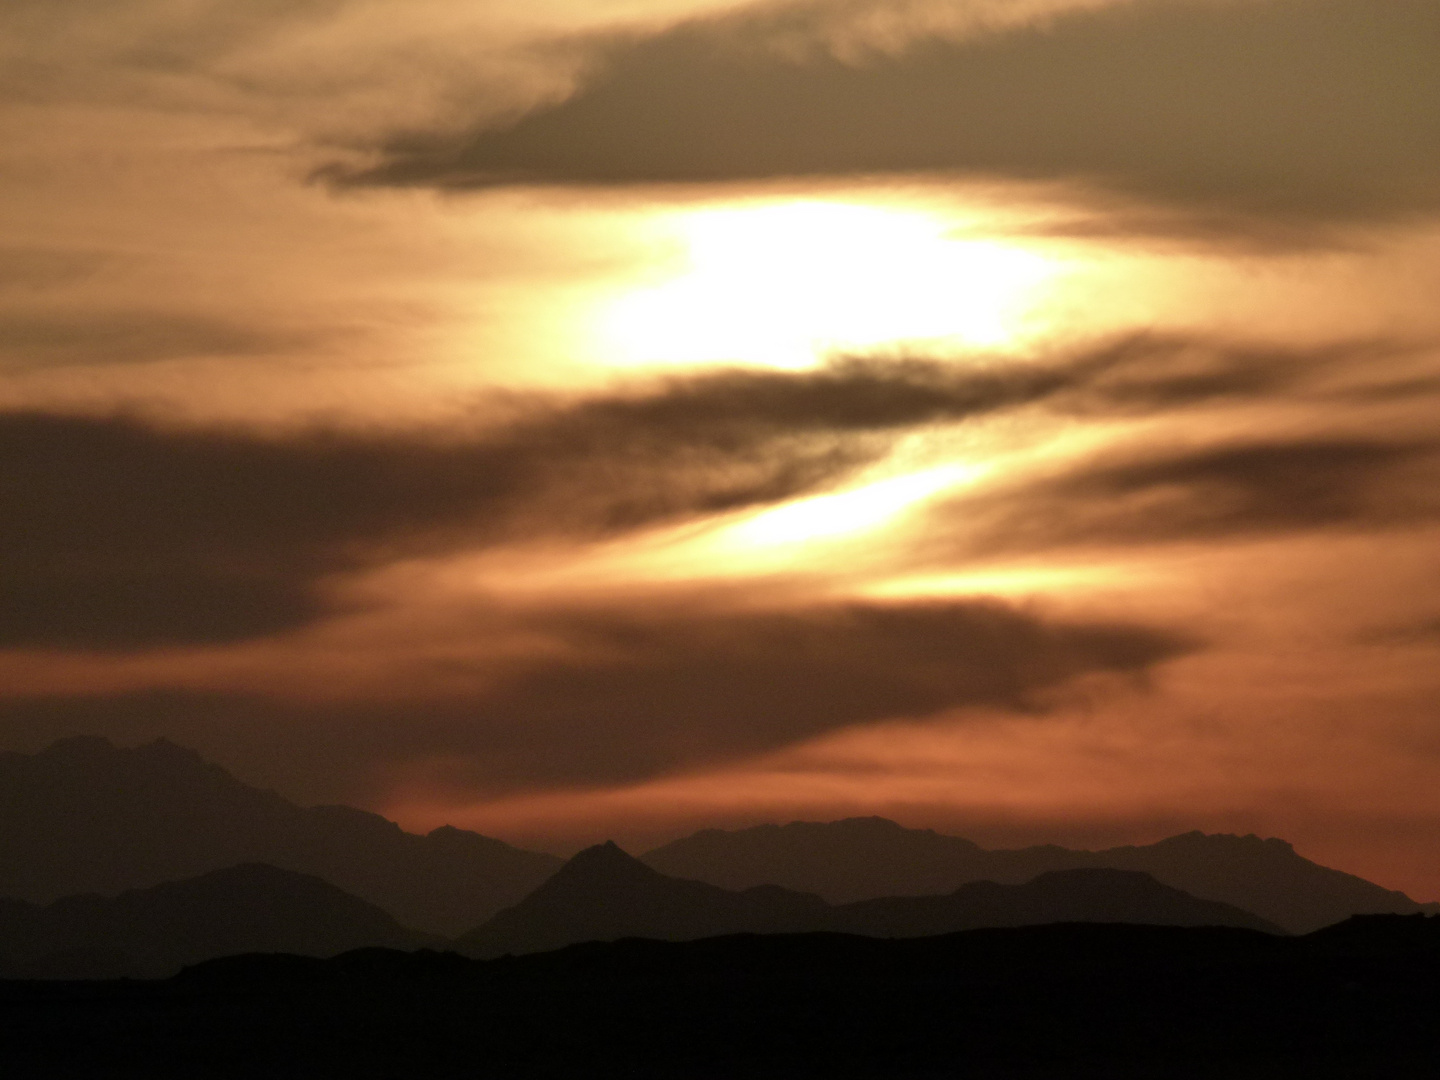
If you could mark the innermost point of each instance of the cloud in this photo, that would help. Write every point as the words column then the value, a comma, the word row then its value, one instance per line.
column 1416, row 632
column 1162, row 494
column 639, row 693
column 155, row 33
column 631, row 693
column 117, row 532
column 152, row 53
column 100, row 338
column 1306, row 108
column 34, row 269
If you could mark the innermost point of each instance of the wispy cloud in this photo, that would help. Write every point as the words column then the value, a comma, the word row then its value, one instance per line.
column 100, row 338
column 1158, row 494
column 120, row 532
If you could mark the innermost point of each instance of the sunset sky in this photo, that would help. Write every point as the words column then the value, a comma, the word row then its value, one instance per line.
column 575, row 419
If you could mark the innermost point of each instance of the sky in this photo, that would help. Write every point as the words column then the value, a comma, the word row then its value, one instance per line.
column 610, row 418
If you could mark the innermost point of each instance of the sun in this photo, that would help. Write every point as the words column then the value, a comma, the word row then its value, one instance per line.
column 786, row 283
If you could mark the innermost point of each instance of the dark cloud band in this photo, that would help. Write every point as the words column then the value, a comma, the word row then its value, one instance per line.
column 634, row 694
column 1163, row 494
column 1300, row 107
column 115, row 532
column 120, row 533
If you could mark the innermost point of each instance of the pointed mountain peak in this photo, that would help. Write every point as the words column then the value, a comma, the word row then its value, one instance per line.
column 607, row 854
column 606, row 862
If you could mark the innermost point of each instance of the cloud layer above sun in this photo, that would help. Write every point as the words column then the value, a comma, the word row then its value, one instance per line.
column 1290, row 107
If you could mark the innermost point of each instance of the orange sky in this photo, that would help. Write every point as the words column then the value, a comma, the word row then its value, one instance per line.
column 607, row 419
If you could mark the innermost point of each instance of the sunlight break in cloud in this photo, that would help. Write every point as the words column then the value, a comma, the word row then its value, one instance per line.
column 847, row 512
column 785, row 282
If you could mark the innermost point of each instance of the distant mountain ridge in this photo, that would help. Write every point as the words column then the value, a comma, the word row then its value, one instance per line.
column 861, row 858
column 86, row 816
column 155, row 932
column 603, row 894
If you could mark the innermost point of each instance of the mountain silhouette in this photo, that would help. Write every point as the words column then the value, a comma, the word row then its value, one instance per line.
column 1091, row 894
column 157, row 931
column 862, row 858
column 85, row 816
column 603, row 894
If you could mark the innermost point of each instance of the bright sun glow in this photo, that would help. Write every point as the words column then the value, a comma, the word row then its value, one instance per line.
column 860, row 510
column 787, row 283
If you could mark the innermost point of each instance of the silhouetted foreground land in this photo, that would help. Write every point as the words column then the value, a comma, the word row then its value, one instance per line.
column 1356, row 1000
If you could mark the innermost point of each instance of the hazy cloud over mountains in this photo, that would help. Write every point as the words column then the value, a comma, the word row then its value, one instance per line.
column 682, row 690
column 625, row 694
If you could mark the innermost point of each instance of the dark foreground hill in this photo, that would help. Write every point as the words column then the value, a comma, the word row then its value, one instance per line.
column 1089, row 894
column 86, row 816
column 1078, row 1002
column 861, row 858
column 603, row 894
column 155, row 932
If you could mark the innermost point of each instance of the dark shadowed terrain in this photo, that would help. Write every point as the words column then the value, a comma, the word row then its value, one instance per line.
column 157, row 931
column 1095, row 965
column 601, row 894
column 1063, row 1001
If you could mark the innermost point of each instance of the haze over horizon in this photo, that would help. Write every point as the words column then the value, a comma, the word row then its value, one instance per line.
column 573, row 420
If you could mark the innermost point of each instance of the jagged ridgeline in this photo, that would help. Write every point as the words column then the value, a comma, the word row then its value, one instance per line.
column 603, row 894
column 87, row 817
column 860, row 858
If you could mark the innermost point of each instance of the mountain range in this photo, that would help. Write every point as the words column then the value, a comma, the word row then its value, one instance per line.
column 85, row 816
column 603, row 894
column 860, row 858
